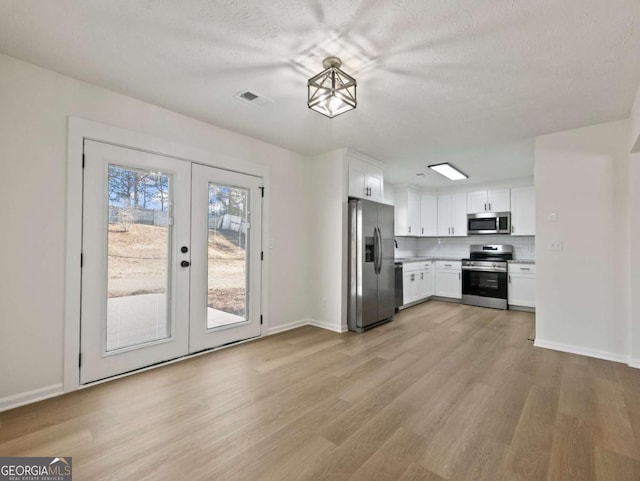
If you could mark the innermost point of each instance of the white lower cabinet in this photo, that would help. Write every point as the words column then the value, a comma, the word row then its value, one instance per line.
column 522, row 285
column 425, row 282
column 417, row 281
column 449, row 279
column 409, row 287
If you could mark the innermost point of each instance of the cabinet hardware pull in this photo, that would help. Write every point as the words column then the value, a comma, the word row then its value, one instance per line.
column 453, row 230
column 409, row 229
column 512, row 228
column 509, row 278
column 489, row 205
column 525, row 269
column 485, row 206
column 422, row 275
column 459, row 276
column 423, row 230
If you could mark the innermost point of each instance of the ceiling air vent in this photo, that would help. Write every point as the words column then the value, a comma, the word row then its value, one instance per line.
column 253, row 98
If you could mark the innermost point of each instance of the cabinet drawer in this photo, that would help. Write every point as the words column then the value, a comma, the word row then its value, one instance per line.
column 522, row 268
column 412, row 266
column 449, row 265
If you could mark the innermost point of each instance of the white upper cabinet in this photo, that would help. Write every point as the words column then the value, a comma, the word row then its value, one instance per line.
column 428, row 215
column 498, row 200
column 407, row 211
column 523, row 211
column 366, row 179
column 452, row 215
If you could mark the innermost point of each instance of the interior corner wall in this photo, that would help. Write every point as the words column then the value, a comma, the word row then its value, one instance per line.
column 33, row 157
column 328, row 217
column 633, row 184
column 582, row 291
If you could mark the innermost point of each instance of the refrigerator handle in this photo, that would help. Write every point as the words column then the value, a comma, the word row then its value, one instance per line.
column 380, row 250
column 377, row 250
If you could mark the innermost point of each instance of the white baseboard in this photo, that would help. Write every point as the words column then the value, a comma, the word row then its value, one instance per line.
column 288, row 326
column 306, row 322
column 326, row 325
column 635, row 363
column 583, row 351
column 28, row 397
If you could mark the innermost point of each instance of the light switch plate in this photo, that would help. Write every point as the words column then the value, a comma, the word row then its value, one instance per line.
column 555, row 245
column 553, row 216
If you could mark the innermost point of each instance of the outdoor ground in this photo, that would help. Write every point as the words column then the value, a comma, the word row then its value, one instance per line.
column 138, row 265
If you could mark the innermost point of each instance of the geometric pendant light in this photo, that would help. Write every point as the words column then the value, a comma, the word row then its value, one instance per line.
column 332, row 92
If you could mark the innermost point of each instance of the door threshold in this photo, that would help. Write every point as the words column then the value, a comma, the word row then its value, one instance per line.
column 166, row 363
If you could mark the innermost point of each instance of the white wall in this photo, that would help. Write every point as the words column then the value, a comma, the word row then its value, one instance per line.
column 328, row 217
column 582, row 291
column 33, row 131
column 633, row 185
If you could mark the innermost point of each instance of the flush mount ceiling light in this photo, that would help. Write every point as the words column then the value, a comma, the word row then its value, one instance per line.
column 332, row 92
column 449, row 171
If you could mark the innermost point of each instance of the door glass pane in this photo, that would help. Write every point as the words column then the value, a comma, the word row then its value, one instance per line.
column 138, row 255
column 227, row 255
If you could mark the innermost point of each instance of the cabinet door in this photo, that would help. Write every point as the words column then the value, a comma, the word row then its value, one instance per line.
column 409, row 287
column 477, row 202
column 523, row 211
column 444, row 215
column 449, row 284
column 426, row 283
column 413, row 212
column 522, row 290
column 357, row 180
column 375, row 184
column 428, row 215
column 499, row 200
column 459, row 215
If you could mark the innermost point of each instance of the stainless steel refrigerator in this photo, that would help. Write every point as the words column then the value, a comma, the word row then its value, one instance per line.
column 371, row 264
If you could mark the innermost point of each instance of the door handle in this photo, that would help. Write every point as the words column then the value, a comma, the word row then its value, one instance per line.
column 380, row 250
column 185, row 263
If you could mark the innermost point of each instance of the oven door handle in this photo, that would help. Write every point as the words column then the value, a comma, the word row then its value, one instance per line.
column 484, row 269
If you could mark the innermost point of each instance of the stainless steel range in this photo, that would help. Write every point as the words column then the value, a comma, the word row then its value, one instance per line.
column 484, row 276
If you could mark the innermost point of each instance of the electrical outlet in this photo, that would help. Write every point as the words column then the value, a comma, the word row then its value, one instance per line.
column 553, row 216
column 555, row 245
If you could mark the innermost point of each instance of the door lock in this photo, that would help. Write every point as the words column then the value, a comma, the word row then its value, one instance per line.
column 185, row 263
column 184, row 249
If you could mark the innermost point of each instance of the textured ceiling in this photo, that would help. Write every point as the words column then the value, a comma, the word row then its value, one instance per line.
column 470, row 81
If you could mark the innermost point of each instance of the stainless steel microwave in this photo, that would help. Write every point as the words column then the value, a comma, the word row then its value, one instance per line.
column 489, row 223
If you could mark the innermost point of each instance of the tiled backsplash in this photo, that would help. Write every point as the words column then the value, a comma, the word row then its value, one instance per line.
column 523, row 247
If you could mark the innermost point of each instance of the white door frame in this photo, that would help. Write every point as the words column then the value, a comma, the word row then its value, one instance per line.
column 78, row 131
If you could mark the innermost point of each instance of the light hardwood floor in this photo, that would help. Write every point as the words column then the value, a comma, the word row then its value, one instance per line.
column 444, row 392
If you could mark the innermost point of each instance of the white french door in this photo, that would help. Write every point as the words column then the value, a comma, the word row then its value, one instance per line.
column 171, row 259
